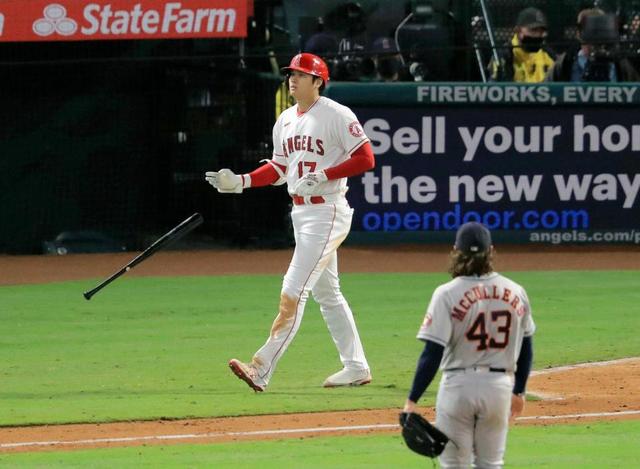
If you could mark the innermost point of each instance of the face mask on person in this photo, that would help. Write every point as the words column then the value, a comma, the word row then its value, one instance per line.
column 531, row 44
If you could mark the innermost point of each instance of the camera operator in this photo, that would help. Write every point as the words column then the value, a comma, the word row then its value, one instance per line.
column 350, row 62
column 325, row 45
column 598, row 57
column 387, row 61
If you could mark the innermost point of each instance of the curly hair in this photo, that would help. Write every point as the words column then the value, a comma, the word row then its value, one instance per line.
column 468, row 264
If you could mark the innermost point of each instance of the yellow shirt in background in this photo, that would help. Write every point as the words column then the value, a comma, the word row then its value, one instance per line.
column 529, row 67
column 283, row 99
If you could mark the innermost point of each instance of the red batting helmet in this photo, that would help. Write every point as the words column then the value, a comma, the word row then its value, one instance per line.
column 309, row 63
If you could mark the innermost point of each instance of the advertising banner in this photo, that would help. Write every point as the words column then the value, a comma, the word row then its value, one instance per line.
column 495, row 94
column 534, row 174
column 85, row 20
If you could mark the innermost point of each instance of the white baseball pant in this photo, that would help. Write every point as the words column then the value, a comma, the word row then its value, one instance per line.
column 319, row 230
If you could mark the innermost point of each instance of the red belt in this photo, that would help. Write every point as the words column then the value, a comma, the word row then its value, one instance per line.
column 315, row 199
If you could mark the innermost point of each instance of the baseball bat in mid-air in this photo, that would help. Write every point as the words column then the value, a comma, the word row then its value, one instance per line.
column 163, row 241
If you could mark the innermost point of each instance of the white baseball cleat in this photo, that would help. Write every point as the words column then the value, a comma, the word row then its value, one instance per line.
column 247, row 373
column 348, row 377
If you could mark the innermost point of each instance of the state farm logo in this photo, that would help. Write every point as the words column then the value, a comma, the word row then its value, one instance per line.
column 173, row 19
column 55, row 20
column 105, row 20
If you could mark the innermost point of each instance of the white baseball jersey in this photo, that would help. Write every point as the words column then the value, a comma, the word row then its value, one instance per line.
column 322, row 137
column 479, row 320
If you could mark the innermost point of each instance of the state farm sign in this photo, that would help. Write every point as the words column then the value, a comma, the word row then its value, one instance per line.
column 82, row 20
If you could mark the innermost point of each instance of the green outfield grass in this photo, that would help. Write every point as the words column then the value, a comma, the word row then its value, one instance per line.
column 158, row 347
column 597, row 445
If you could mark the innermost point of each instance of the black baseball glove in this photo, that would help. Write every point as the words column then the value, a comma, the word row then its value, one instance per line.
column 420, row 436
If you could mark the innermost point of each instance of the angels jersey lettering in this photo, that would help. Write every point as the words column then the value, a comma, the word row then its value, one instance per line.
column 324, row 136
column 303, row 143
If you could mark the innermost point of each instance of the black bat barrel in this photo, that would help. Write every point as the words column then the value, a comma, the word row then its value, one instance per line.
column 162, row 242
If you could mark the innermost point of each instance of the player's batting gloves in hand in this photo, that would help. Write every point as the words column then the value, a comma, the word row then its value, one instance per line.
column 225, row 180
column 308, row 184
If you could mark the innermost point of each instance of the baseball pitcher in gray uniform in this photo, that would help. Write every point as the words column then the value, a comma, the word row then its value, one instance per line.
column 478, row 329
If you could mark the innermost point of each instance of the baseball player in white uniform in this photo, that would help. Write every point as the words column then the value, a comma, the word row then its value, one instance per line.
column 317, row 144
column 478, row 329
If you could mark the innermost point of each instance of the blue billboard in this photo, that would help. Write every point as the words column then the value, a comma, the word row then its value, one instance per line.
column 533, row 174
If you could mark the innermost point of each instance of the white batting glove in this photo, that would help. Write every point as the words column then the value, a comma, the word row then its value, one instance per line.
column 225, row 180
column 309, row 183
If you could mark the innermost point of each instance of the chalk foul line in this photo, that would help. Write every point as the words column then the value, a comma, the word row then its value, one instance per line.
column 350, row 428
column 580, row 416
column 556, row 369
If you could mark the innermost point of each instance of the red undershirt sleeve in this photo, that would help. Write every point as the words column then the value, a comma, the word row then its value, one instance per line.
column 262, row 176
column 361, row 160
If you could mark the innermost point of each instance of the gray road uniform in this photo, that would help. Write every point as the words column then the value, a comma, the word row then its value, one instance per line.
column 480, row 321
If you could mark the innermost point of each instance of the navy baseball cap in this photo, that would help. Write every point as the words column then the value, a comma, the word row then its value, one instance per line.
column 384, row 45
column 472, row 238
column 322, row 44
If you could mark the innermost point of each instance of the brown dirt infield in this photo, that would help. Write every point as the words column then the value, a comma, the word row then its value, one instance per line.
column 602, row 392
column 408, row 258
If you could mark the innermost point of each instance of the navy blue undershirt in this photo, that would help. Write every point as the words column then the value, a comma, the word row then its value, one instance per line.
column 428, row 365
column 524, row 365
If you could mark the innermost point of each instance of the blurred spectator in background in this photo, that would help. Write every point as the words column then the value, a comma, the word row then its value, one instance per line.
column 597, row 58
column 284, row 100
column 387, row 61
column 349, row 22
column 527, row 59
column 323, row 44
